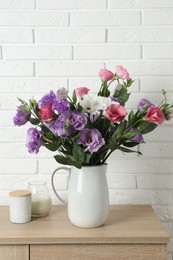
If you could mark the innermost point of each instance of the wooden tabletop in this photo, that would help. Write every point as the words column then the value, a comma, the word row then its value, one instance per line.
column 125, row 224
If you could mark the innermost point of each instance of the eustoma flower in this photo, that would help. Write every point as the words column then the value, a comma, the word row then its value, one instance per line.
column 91, row 139
column 155, row 115
column 122, row 72
column 144, row 105
column 21, row 117
column 46, row 113
column 138, row 138
column 33, row 140
column 81, row 91
column 106, row 75
column 92, row 103
column 115, row 113
column 47, row 99
column 86, row 128
column 62, row 93
column 70, row 122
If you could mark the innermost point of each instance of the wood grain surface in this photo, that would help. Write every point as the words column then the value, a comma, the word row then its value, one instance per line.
column 125, row 224
column 14, row 252
column 101, row 252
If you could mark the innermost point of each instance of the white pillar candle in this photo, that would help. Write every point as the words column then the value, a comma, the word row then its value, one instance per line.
column 20, row 206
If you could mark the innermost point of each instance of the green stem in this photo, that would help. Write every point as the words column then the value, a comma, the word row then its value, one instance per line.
column 107, row 156
column 111, row 82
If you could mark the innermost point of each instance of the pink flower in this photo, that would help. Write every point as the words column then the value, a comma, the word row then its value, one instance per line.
column 122, row 72
column 46, row 112
column 106, row 75
column 115, row 113
column 80, row 92
column 155, row 115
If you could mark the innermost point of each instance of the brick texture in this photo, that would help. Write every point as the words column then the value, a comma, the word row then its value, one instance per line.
column 47, row 44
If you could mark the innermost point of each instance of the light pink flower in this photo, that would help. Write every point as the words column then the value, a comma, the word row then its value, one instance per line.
column 155, row 115
column 81, row 91
column 106, row 75
column 115, row 113
column 122, row 72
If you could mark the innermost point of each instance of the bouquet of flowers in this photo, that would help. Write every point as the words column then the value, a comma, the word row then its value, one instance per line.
column 86, row 128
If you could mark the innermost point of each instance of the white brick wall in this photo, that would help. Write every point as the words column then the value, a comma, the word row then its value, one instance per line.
column 46, row 44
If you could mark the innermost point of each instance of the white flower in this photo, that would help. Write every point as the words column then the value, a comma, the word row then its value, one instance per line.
column 92, row 103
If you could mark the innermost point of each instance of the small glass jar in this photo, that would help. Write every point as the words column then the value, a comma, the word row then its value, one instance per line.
column 20, row 206
column 41, row 199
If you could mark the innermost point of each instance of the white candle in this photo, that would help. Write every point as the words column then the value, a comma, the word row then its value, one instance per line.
column 41, row 205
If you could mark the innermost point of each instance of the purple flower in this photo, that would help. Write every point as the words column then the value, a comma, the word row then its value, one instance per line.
column 91, row 139
column 144, row 105
column 78, row 120
column 69, row 122
column 62, row 125
column 116, row 99
column 62, row 93
column 21, row 117
column 138, row 138
column 33, row 140
column 47, row 99
column 60, row 105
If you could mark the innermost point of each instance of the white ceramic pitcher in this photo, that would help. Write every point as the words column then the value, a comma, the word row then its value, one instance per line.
column 88, row 196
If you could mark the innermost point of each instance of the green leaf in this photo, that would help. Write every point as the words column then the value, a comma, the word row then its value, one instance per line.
column 121, row 128
column 78, row 153
column 88, row 156
column 32, row 103
column 76, row 164
column 130, row 117
column 34, row 121
column 126, row 150
column 53, row 146
column 22, row 101
column 130, row 134
column 62, row 160
column 24, row 110
column 130, row 144
column 123, row 95
column 74, row 98
column 147, row 127
column 66, row 161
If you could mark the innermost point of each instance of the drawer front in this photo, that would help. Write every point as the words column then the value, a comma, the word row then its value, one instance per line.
column 99, row 252
column 14, row 252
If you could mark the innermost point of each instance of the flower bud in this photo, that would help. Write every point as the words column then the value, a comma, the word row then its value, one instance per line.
column 118, row 87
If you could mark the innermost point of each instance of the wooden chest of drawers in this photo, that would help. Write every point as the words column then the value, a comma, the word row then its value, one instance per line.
column 131, row 232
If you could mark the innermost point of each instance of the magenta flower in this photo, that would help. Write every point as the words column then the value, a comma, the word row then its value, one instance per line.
column 91, row 139
column 46, row 113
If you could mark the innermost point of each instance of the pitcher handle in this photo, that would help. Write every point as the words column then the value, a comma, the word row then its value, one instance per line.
column 52, row 182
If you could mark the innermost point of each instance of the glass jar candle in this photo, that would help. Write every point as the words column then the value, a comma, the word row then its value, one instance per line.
column 41, row 199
